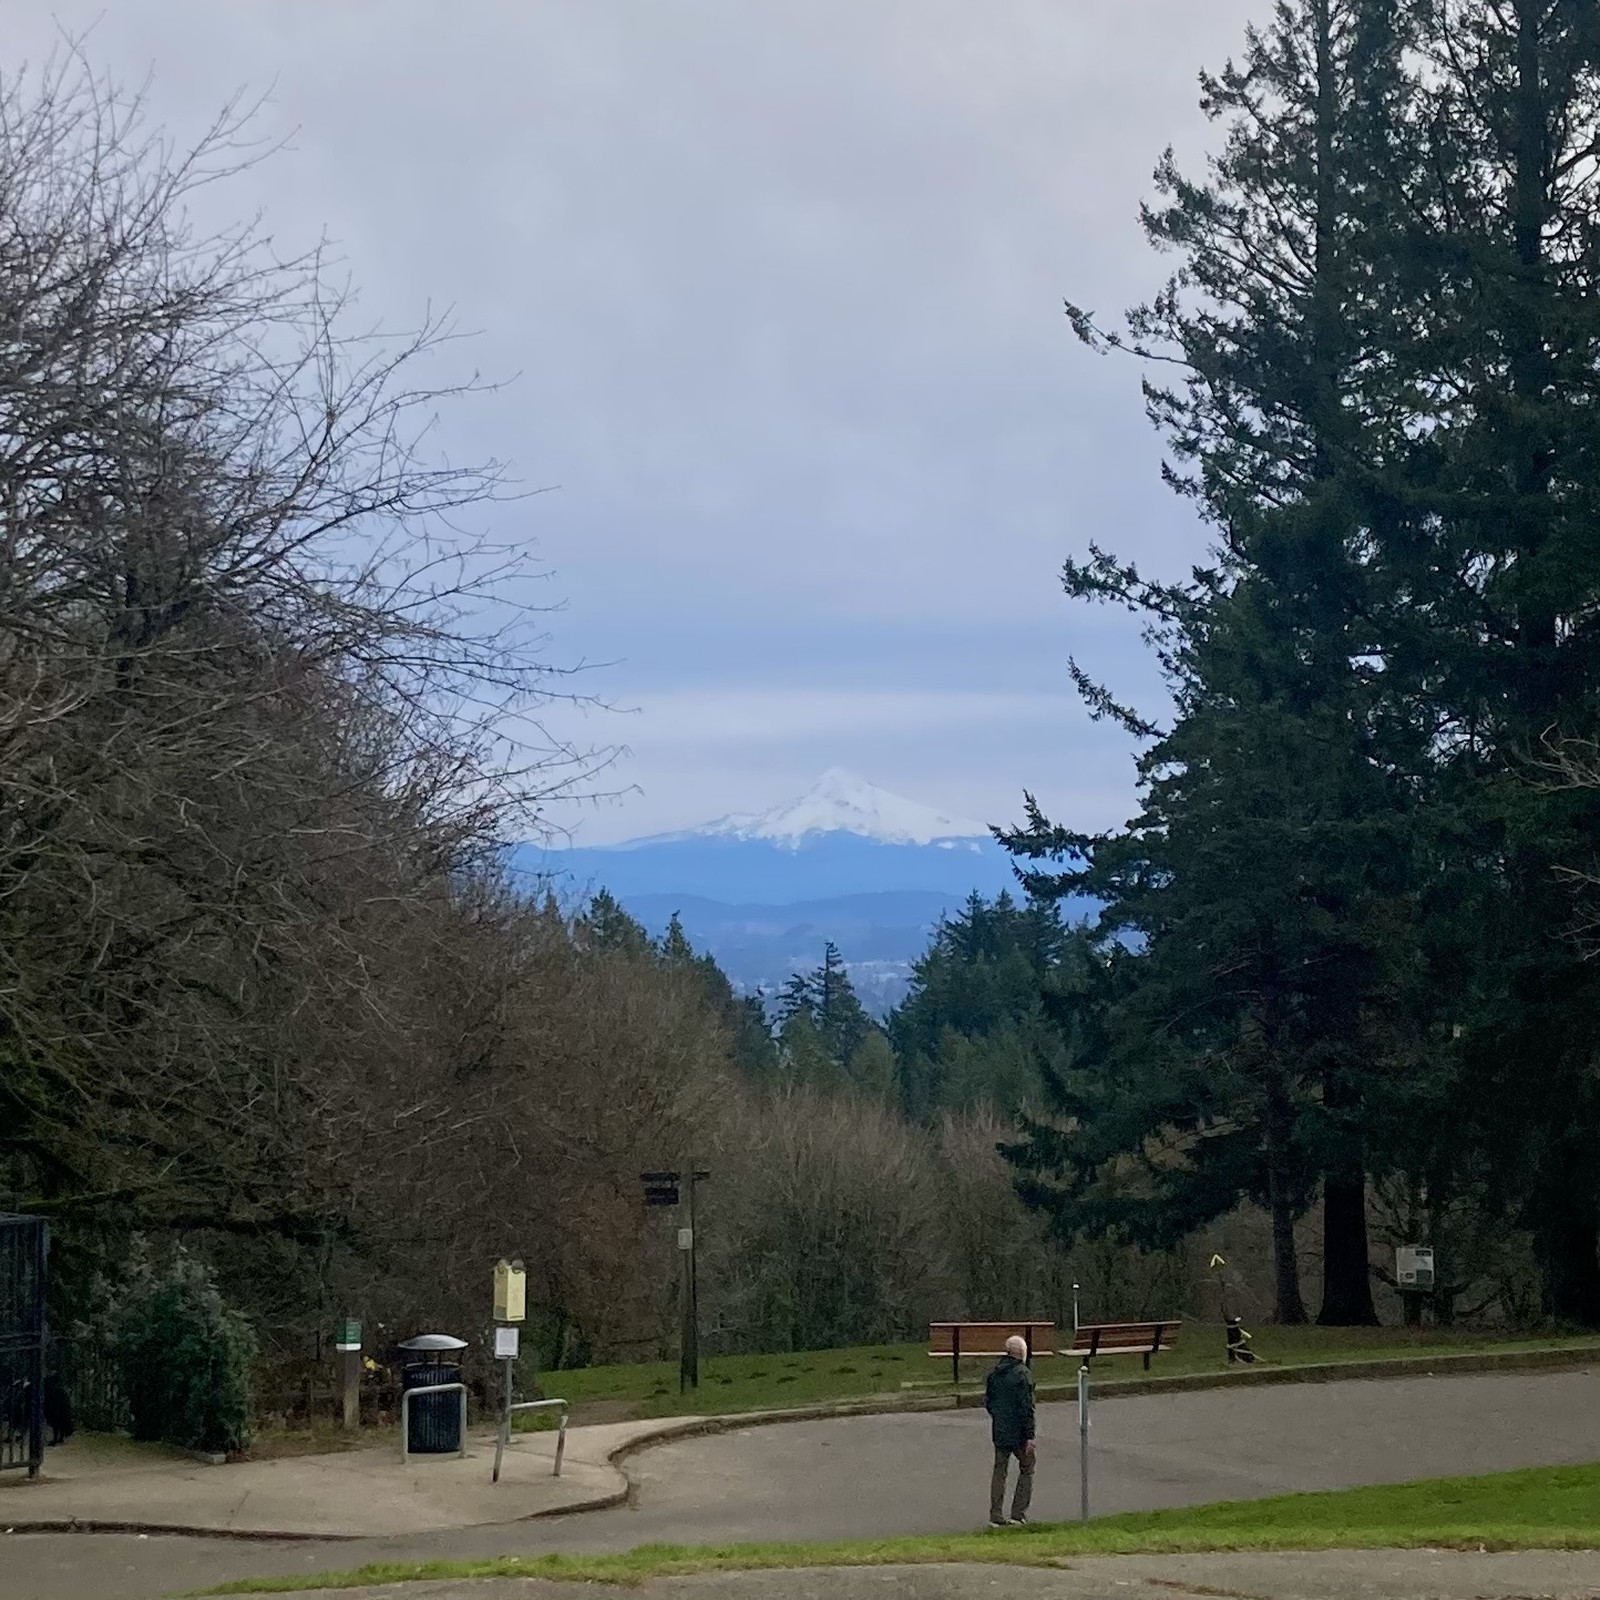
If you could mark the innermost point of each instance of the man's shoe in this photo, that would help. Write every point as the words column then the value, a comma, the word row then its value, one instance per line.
column 1017, row 1522
column 998, row 1522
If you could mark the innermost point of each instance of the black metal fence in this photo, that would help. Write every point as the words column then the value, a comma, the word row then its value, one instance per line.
column 24, row 1262
column 91, row 1383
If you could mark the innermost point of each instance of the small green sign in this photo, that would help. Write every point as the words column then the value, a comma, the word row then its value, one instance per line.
column 349, row 1337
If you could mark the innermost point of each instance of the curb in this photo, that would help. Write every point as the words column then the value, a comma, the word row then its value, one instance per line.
column 1551, row 1358
column 176, row 1530
column 1543, row 1359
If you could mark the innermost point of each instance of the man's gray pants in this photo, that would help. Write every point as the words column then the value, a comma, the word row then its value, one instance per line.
column 1022, row 1497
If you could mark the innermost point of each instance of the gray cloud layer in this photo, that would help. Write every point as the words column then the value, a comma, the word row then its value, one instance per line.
column 781, row 280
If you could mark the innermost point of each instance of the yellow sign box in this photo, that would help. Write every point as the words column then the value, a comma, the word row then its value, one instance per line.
column 510, row 1292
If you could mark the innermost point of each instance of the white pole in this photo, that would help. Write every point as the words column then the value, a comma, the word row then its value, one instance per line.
column 1083, row 1439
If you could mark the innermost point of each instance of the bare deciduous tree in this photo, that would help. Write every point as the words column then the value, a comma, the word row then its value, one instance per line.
column 255, row 722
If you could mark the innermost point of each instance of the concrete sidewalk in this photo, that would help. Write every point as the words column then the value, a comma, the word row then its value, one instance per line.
column 356, row 1494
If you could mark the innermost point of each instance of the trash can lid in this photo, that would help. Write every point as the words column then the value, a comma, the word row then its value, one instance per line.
column 434, row 1341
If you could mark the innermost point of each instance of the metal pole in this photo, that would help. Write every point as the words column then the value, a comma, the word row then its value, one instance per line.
column 41, row 1332
column 694, row 1289
column 1083, row 1440
column 1075, row 1308
column 688, row 1314
column 504, row 1437
column 683, row 1332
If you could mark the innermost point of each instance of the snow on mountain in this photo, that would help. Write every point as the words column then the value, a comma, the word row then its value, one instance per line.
column 839, row 802
column 846, row 861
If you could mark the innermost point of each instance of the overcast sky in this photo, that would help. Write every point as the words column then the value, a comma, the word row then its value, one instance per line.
column 782, row 282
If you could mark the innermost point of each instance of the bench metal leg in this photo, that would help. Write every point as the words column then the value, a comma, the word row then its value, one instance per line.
column 955, row 1357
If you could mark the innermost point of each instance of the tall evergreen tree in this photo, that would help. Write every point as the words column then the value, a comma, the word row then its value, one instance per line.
column 609, row 927
column 1501, row 583
column 1263, row 878
column 969, row 1028
column 822, row 1025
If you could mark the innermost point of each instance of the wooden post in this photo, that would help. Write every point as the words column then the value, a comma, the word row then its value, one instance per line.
column 347, row 1342
column 350, row 1363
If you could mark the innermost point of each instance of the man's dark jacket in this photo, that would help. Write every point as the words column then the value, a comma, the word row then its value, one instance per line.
column 1008, row 1398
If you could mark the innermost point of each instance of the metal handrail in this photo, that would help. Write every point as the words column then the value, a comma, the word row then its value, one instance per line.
column 405, row 1413
column 503, row 1438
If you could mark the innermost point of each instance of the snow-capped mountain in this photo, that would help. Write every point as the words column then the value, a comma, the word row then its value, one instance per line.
column 843, row 836
column 839, row 802
column 847, row 861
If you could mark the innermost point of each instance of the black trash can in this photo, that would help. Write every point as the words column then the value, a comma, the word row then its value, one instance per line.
column 433, row 1421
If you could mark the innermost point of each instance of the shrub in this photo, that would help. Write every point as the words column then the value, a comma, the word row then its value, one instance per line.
column 185, row 1357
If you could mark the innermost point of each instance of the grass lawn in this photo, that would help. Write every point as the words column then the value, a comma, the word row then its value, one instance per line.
column 1547, row 1508
column 774, row 1382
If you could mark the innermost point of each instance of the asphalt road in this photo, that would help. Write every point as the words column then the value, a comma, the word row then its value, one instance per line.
column 880, row 1477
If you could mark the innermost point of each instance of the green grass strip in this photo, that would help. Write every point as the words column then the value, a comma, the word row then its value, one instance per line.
column 1543, row 1508
column 745, row 1383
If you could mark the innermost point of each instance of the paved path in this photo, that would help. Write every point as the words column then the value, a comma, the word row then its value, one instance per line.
column 1332, row 1575
column 926, row 1473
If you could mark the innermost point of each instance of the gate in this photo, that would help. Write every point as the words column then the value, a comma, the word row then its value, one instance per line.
column 24, row 1251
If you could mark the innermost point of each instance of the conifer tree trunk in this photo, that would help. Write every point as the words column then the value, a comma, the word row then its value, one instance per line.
column 1568, row 1231
column 1288, row 1307
column 1346, row 1284
column 1346, row 1274
column 1346, row 1269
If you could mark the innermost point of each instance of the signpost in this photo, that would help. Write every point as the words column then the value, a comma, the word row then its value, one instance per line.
column 510, row 1292
column 665, row 1189
column 1083, row 1441
column 1413, row 1274
column 510, row 1306
column 348, row 1344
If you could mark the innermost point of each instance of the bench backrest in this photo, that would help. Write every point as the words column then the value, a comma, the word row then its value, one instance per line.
column 1124, row 1338
column 989, row 1338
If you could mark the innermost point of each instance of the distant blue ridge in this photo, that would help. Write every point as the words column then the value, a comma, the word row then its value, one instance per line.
column 760, row 872
column 766, row 910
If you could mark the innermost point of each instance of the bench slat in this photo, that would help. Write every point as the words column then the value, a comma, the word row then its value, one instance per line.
column 1125, row 1338
column 981, row 1338
column 957, row 1339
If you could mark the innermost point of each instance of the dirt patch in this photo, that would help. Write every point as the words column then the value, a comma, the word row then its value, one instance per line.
column 591, row 1413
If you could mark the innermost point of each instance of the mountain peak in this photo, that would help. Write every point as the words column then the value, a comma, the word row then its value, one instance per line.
column 841, row 801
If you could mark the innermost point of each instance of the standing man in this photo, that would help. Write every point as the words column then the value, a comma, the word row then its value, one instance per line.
column 1008, row 1398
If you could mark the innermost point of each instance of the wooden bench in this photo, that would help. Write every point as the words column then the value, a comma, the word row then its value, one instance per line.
column 1124, row 1339
column 957, row 1339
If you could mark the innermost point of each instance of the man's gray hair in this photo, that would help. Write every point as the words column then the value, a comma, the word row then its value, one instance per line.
column 1017, row 1347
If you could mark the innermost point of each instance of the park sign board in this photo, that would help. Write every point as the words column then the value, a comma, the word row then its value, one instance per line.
column 510, row 1292
column 1413, row 1266
column 660, row 1188
column 349, row 1335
